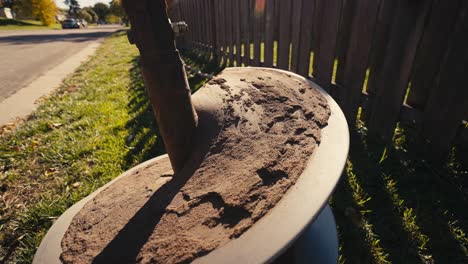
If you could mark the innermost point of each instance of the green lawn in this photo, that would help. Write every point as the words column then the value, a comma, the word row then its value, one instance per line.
column 391, row 206
column 13, row 24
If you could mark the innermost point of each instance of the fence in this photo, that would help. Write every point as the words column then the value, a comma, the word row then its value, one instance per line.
column 389, row 60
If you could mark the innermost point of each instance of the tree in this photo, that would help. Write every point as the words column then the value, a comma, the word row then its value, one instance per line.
column 112, row 19
column 83, row 14
column 73, row 7
column 23, row 8
column 116, row 8
column 102, row 10
column 90, row 11
column 7, row 3
column 44, row 10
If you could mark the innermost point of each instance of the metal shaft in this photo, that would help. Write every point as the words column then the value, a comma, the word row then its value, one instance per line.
column 164, row 75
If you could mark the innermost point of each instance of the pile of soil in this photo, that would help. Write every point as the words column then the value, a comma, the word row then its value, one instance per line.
column 270, row 125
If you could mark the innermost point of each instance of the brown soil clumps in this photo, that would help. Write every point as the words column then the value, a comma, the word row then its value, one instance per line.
column 270, row 126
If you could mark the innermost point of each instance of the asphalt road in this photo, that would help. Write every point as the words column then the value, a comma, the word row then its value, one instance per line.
column 27, row 54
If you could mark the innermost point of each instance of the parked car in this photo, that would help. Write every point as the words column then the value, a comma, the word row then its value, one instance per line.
column 70, row 23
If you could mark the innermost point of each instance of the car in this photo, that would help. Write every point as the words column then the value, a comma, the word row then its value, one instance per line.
column 70, row 23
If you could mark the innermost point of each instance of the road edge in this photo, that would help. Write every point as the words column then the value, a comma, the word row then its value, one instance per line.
column 22, row 103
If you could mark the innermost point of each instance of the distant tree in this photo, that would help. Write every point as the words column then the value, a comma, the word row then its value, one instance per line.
column 44, row 10
column 102, row 10
column 116, row 9
column 7, row 3
column 112, row 19
column 83, row 14
column 23, row 8
column 73, row 5
column 90, row 11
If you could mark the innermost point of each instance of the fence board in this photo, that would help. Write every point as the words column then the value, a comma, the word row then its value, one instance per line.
column 193, row 25
column 245, row 18
column 200, row 21
column 252, row 30
column 269, row 27
column 381, row 38
column 214, row 30
column 185, row 17
column 182, row 44
column 284, row 35
column 236, row 14
column 305, row 45
column 447, row 105
column 276, row 23
column 205, row 28
column 433, row 46
column 182, row 39
column 229, row 32
column 196, row 23
column 317, row 28
column 207, row 20
column 327, row 43
column 221, row 31
column 296, row 34
column 393, row 79
column 209, row 25
column 346, row 21
column 357, row 55
column 257, row 29
column 189, row 35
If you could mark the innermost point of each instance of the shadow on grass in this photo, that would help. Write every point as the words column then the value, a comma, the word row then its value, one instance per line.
column 414, row 212
column 143, row 140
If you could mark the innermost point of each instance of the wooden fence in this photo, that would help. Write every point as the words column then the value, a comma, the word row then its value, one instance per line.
column 388, row 60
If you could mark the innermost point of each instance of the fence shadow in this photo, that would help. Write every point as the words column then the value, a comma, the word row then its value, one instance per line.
column 416, row 212
column 143, row 139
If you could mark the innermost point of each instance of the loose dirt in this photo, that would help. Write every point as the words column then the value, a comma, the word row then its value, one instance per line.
column 270, row 126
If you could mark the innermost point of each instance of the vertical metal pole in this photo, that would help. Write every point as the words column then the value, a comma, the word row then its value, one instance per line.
column 164, row 75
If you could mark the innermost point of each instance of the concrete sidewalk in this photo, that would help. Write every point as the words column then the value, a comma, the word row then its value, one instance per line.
column 23, row 102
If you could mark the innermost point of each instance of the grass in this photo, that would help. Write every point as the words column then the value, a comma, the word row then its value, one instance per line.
column 391, row 205
column 14, row 24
